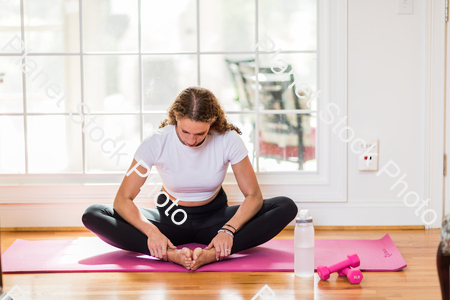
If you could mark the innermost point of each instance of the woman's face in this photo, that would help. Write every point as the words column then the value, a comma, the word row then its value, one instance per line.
column 191, row 133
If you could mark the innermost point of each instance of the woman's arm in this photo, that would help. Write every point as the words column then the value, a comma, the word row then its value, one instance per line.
column 123, row 202
column 248, row 184
column 127, row 209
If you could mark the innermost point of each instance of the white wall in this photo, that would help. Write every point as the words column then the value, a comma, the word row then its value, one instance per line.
column 386, row 69
column 386, row 66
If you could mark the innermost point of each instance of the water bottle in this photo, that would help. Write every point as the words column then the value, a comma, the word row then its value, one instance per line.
column 304, row 245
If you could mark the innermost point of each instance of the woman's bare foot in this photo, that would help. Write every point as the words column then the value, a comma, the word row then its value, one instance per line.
column 202, row 257
column 181, row 257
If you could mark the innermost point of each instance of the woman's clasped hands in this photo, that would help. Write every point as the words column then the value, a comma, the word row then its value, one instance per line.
column 222, row 242
column 158, row 243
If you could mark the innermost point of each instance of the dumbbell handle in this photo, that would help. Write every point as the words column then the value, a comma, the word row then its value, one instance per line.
column 353, row 275
column 343, row 272
column 344, row 264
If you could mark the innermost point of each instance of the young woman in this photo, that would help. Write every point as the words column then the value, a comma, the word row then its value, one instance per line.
column 191, row 152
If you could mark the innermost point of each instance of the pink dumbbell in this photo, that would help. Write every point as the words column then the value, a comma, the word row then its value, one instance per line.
column 351, row 261
column 353, row 275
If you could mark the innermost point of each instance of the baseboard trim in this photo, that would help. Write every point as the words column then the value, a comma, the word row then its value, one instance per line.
column 394, row 227
column 56, row 229
column 289, row 227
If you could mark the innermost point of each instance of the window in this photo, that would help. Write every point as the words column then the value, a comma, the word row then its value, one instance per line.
column 101, row 74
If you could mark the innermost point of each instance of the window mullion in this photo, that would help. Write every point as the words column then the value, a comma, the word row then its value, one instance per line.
column 83, row 144
column 141, row 100
column 318, row 125
column 256, row 133
column 24, row 89
column 198, row 41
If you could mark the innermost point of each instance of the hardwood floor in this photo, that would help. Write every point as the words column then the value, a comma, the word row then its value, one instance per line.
column 417, row 281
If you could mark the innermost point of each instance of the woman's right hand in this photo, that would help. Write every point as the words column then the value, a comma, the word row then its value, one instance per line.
column 157, row 244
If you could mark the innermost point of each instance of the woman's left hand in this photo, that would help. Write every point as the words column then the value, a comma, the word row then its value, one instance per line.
column 222, row 242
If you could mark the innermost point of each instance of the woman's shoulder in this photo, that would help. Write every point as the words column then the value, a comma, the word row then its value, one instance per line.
column 165, row 130
column 160, row 134
column 229, row 136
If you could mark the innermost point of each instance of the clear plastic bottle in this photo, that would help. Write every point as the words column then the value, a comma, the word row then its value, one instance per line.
column 304, row 245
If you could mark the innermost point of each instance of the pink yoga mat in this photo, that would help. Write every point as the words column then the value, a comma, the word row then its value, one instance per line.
column 90, row 254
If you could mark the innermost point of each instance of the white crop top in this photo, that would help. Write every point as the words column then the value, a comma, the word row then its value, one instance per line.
column 191, row 173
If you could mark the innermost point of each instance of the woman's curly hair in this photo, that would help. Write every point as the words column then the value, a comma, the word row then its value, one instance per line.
column 199, row 105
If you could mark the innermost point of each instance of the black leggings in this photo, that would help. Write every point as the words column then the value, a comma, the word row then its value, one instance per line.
column 201, row 225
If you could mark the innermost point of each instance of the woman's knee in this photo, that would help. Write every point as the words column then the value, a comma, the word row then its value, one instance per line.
column 288, row 207
column 92, row 213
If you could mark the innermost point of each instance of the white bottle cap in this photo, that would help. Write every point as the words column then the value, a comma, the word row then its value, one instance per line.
column 304, row 217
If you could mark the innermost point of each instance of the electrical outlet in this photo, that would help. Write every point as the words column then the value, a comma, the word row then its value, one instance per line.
column 368, row 155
